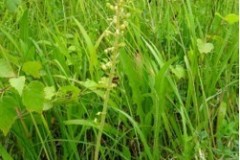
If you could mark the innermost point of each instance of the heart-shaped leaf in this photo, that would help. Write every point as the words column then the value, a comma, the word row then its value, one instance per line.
column 32, row 68
column 8, row 113
column 33, row 97
column 18, row 83
column 6, row 70
column 204, row 47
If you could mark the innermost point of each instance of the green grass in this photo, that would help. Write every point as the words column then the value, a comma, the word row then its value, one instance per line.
column 165, row 88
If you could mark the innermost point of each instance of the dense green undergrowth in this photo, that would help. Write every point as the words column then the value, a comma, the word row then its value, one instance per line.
column 122, row 79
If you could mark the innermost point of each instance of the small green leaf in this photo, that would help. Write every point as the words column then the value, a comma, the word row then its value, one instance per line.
column 32, row 68
column 12, row 5
column 89, row 84
column 49, row 92
column 93, row 86
column 33, row 97
column 18, row 83
column 179, row 71
column 68, row 93
column 8, row 113
column 6, row 70
column 72, row 49
column 231, row 18
column 204, row 47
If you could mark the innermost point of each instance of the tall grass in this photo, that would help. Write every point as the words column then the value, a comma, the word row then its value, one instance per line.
column 149, row 93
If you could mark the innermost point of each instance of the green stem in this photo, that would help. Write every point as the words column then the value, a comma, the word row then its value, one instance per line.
column 114, row 58
column 48, row 132
column 105, row 105
column 40, row 137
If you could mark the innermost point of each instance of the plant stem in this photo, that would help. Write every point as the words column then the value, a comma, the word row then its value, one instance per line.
column 39, row 135
column 114, row 58
column 105, row 104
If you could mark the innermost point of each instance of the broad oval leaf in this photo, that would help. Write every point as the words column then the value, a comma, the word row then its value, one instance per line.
column 33, row 97
column 8, row 113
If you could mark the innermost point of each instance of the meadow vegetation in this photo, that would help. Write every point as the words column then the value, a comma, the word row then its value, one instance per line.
column 119, row 79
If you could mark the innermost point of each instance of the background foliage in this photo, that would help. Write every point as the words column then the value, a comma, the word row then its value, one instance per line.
column 176, row 94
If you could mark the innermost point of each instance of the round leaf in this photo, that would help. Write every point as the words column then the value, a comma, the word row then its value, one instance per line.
column 33, row 97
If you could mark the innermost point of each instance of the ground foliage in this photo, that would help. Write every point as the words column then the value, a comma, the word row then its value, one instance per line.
column 122, row 79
